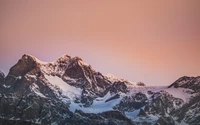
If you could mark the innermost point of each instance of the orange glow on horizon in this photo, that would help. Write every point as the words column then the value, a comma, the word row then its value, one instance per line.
column 155, row 42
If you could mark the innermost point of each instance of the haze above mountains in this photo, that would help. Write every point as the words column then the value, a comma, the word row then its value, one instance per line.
column 153, row 41
column 134, row 73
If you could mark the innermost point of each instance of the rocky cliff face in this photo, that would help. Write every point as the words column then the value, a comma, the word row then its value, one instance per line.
column 187, row 82
column 2, row 80
column 69, row 91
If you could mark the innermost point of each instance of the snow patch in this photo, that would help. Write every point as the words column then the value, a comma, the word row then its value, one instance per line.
column 67, row 90
column 112, row 78
column 132, row 114
column 34, row 87
column 31, row 76
column 145, row 89
column 19, row 77
column 6, row 86
column 180, row 93
column 99, row 105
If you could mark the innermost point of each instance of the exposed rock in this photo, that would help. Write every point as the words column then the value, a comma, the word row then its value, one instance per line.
column 118, row 87
column 23, row 66
column 140, row 84
column 189, row 112
column 142, row 113
column 131, row 103
column 2, row 76
column 187, row 82
column 116, row 115
column 15, row 122
column 33, row 108
column 2, row 80
column 164, row 103
column 106, row 118
column 165, row 121
column 114, row 97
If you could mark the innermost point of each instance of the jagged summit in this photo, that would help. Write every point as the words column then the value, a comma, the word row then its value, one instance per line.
column 74, row 71
column 63, row 59
column 1, row 74
column 114, row 78
column 24, row 65
column 187, row 82
column 69, row 91
column 25, row 56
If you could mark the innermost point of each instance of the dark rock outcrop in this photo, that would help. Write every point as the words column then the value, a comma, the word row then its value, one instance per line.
column 187, row 82
column 15, row 122
column 140, row 84
column 2, row 80
column 131, row 103
column 116, row 96
column 189, row 112
column 26, row 64
column 105, row 118
column 165, row 121
column 142, row 113
column 2, row 76
column 33, row 109
column 163, row 103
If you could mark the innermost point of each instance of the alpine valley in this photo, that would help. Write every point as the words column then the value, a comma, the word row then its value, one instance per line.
column 70, row 92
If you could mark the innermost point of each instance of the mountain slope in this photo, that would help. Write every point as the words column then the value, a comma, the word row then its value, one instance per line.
column 69, row 91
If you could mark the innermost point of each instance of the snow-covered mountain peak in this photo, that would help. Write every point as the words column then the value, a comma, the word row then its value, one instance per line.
column 69, row 91
column 114, row 78
column 187, row 82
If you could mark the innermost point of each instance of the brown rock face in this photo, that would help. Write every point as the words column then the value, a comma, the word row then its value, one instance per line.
column 74, row 71
column 23, row 66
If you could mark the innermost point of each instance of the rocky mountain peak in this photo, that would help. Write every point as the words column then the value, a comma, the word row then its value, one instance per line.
column 2, row 76
column 23, row 66
column 76, row 58
column 63, row 59
column 187, row 82
column 27, row 56
column 69, row 91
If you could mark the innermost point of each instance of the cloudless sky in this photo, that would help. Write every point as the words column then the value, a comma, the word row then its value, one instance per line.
column 153, row 41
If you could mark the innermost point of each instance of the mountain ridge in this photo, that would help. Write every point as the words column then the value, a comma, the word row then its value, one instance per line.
column 70, row 91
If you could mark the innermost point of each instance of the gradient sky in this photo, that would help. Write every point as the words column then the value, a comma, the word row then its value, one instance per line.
column 153, row 41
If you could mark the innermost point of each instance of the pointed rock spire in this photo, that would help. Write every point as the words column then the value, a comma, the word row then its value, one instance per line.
column 2, row 76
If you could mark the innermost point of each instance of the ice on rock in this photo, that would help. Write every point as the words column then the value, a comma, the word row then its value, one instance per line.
column 67, row 90
column 34, row 88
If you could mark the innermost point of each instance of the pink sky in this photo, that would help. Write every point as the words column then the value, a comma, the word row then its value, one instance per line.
column 154, row 41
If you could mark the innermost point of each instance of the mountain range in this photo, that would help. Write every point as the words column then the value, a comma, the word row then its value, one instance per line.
column 70, row 92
